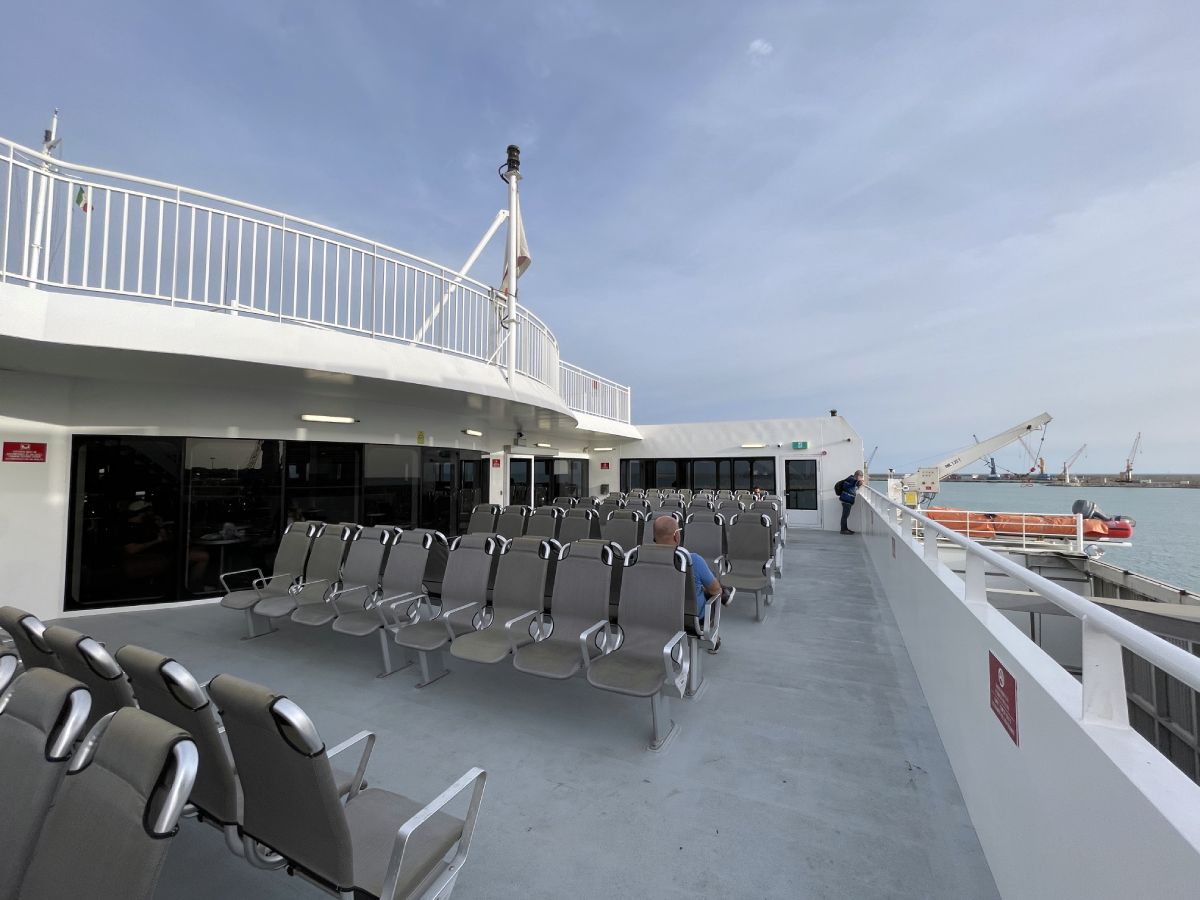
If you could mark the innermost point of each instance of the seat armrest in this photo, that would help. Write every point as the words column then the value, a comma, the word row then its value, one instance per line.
column 396, row 865
column 585, row 636
column 447, row 613
column 267, row 579
column 398, row 599
column 225, row 575
column 511, row 624
column 712, row 615
column 338, row 593
column 723, row 564
column 679, row 679
column 361, row 771
column 769, row 565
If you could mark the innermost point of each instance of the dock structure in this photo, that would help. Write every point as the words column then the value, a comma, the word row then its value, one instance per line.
column 808, row 767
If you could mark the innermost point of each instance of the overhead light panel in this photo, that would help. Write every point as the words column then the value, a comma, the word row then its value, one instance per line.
column 472, row 432
column 331, row 420
column 543, row 445
column 601, row 449
column 753, row 446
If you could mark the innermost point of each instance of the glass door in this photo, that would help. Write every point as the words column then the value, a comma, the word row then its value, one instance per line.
column 800, row 492
column 520, row 481
column 472, row 488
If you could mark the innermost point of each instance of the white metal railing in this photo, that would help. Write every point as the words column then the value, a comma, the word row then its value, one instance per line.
column 590, row 393
column 1104, row 632
column 87, row 230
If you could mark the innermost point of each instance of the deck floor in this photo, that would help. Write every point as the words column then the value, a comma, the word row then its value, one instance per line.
column 809, row 767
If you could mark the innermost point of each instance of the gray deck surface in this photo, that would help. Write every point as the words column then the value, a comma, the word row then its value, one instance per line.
column 809, row 767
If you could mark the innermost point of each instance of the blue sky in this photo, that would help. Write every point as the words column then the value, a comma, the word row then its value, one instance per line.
column 939, row 218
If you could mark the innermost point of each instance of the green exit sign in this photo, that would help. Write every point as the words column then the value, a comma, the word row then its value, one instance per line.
column 799, row 445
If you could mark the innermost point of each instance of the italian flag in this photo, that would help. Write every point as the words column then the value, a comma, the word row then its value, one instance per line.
column 81, row 199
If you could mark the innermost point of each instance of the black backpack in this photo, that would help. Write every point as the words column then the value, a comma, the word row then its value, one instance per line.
column 838, row 487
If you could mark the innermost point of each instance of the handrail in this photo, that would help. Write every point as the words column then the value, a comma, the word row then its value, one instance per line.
column 1156, row 651
column 591, row 393
column 144, row 239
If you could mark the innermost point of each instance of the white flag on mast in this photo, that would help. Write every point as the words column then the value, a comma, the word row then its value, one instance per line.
column 523, row 257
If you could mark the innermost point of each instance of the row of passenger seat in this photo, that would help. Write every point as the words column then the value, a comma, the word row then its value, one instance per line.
column 247, row 760
column 497, row 597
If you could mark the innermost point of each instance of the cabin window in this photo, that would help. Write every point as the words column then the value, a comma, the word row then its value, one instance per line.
column 704, row 475
column 391, row 485
column 666, row 474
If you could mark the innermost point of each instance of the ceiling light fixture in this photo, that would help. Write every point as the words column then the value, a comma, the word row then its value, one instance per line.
column 601, row 449
column 543, row 445
column 472, row 432
column 753, row 446
column 331, row 420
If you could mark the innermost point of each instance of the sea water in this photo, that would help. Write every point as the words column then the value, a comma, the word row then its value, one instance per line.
column 1166, row 541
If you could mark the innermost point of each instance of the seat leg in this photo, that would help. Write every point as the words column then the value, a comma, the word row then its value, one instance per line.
column 664, row 727
column 254, row 625
column 433, row 667
column 757, row 607
column 385, row 653
column 695, row 682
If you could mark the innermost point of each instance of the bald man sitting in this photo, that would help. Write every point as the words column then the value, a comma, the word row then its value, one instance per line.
column 667, row 531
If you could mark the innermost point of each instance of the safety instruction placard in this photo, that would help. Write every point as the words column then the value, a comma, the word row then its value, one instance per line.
column 22, row 451
column 1004, row 696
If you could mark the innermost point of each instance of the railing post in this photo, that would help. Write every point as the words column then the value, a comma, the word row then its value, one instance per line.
column 975, row 581
column 1078, row 533
column 1104, row 698
column 931, row 548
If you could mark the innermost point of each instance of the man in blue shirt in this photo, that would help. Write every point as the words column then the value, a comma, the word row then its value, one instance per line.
column 850, row 488
column 667, row 531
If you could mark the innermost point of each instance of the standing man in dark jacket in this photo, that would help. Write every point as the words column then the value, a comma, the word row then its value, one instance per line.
column 850, row 488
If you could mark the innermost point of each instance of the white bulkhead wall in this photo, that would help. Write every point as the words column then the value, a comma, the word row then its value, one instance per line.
column 34, row 497
column 832, row 442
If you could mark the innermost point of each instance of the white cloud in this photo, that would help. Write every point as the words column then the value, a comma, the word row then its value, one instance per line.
column 760, row 48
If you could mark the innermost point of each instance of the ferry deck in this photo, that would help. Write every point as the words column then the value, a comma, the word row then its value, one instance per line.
column 809, row 766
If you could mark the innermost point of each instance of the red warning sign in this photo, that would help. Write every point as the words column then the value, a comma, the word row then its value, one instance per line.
column 1004, row 696
column 495, row 463
column 604, row 465
column 20, row 451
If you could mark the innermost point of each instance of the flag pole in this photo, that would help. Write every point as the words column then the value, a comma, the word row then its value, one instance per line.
column 512, row 175
column 49, row 142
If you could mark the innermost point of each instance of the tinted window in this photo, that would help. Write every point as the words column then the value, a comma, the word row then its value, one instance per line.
column 801, row 477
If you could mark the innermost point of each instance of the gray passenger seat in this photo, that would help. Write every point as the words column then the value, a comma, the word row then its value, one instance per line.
column 84, row 659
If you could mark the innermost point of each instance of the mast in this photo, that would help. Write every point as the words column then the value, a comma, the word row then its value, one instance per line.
column 512, row 175
column 49, row 142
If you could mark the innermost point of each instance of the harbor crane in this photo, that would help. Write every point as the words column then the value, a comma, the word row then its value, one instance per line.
column 926, row 479
column 1127, row 475
column 1066, row 472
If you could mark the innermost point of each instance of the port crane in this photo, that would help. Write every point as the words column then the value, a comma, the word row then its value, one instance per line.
column 1066, row 472
column 1127, row 475
column 926, row 479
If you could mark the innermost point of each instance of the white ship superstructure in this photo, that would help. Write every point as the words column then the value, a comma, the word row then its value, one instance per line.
column 186, row 377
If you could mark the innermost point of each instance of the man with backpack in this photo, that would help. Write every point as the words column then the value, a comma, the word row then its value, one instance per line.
column 847, row 491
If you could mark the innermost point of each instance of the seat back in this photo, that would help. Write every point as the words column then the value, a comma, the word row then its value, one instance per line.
column 512, row 521
column 166, row 689
column 483, row 519
column 407, row 560
column 624, row 527
column 587, row 503
column 545, row 522
column 108, row 833
column 579, row 525
column 728, row 508
column 583, row 587
column 656, row 589
column 328, row 553
column 42, row 714
column 85, row 660
column 565, row 502
column 521, row 574
column 435, row 561
column 700, row 505
column 365, row 557
column 724, row 494
column 638, row 503
column 294, row 546
column 290, row 796
column 471, row 568
column 704, row 535
column 771, row 511
column 672, row 502
column 749, row 542
column 27, row 633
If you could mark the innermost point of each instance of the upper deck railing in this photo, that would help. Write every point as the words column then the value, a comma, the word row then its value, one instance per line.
column 1104, row 632
column 86, row 230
